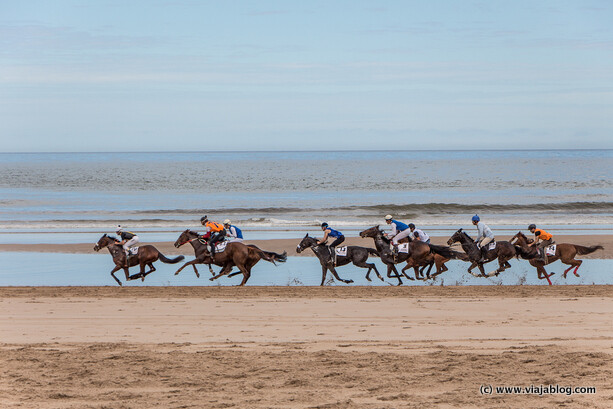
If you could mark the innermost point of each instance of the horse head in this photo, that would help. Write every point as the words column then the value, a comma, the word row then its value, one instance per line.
column 305, row 243
column 185, row 237
column 371, row 232
column 103, row 242
column 455, row 237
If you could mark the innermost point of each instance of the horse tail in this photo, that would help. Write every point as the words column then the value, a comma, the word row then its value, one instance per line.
column 269, row 256
column 523, row 253
column 581, row 250
column 447, row 252
column 372, row 252
column 170, row 260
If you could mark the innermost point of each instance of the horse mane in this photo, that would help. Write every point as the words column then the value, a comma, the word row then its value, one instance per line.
column 112, row 237
column 467, row 236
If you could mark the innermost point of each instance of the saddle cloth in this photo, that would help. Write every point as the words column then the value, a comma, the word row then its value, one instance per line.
column 220, row 246
column 341, row 251
column 133, row 251
column 550, row 250
column 491, row 246
column 403, row 248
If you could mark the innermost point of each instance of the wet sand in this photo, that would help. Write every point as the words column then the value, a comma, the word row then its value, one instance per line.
column 289, row 245
column 303, row 347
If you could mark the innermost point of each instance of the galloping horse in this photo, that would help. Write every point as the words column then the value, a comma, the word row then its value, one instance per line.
column 356, row 254
column 236, row 254
column 504, row 251
column 146, row 256
column 565, row 252
column 419, row 254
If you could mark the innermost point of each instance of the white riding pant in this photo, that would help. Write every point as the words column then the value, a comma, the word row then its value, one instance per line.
column 401, row 235
column 130, row 243
column 485, row 241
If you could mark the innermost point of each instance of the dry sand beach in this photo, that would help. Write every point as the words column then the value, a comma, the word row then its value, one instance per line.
column 303, row 347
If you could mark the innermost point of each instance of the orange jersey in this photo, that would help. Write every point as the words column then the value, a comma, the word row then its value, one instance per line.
column 214, row 227
column 544, row 235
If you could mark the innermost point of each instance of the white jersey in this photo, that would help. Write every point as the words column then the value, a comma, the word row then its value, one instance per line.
column 422, row 236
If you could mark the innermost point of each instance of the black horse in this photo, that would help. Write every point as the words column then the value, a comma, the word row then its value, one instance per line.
column 504, row 251
column 355, row 254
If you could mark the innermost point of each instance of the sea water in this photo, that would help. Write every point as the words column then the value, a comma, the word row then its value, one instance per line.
column 57, row 269
column 43, row 196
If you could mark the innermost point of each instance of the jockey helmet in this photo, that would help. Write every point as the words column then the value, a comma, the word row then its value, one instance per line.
column 476, row 218
column 227, row 221
column 411, row 226
column 204, row 219
column 532, row 226
column 324, row 225
column 119, row 229
column 388, row 217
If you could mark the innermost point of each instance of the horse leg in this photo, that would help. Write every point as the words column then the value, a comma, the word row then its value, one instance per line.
column 324, row 270
column 542, row 274
column 567, row 270
column 246, row 275
column 335, row 274
column 222, row 272
column 573, row 264
column 151, row 270
column 196, row 270
column 364, row 264
column 577, row 268
column 500, row 269
column 470, row 269
column 440, row 267
column 113, row 274
column 211, row 269
column 390, row 268
column 189, row 263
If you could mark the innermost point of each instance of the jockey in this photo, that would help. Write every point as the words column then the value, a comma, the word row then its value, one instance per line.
column 399, row 231
column 128, row 239
column 419, row 234
column 215, row 231
column 542, row 239
column 484, row 236
column 330, row 232
column 234, row 233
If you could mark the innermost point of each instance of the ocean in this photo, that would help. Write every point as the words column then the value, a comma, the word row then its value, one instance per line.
column 285, row 194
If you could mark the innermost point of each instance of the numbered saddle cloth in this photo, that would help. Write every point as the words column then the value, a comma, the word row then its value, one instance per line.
column 403, row 248
column 133, row 251
column 341, row 251
column 220, row 246
column 550, row 250
column 491, row 246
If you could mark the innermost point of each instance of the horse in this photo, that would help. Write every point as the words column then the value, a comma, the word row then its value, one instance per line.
column 420, row 253
column 565, row 252
column 504, row 251
column 355, row 254
column 236, row 254
column 146, row 256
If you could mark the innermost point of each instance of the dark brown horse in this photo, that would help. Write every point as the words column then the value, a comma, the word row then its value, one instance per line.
column 235, row 254
column 355, row 254
column 565, row 252
column 146, row 256
column 420, row 253
column 504, row 251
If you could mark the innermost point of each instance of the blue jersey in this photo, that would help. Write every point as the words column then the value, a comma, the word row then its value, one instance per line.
column 334, row 233
column 239, row 233
column 400, row 226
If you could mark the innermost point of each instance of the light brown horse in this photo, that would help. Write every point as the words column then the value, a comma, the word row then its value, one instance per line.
column 146, row 256
column 565, row 252
column 235, row 254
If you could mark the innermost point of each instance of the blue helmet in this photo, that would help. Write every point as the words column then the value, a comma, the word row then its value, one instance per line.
column 476, row 218
column 324, row 225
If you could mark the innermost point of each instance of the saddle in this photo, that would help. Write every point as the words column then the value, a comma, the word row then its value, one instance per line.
column 133, row 251
column 219, row 247
column 402, row 247
column 491, row 245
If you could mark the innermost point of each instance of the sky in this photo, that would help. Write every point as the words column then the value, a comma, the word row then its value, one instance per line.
column 305, row 75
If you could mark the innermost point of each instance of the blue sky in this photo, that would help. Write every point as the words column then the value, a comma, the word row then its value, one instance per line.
column 316, row 75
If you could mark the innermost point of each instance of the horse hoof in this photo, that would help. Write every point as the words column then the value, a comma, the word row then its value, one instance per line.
column 553, row 274
column 349, row 281
column 368, row 279
column 212, row 279
column 197, row 275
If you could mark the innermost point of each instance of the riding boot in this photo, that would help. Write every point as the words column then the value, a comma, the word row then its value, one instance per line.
column 541, row 254
column 128, row 259
column 483, row 255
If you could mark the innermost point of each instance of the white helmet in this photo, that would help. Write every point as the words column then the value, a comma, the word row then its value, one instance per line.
column 119, row 229
column 227, row 221
column 388, row 217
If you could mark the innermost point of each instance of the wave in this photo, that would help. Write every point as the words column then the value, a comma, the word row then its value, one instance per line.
column 409, row 209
